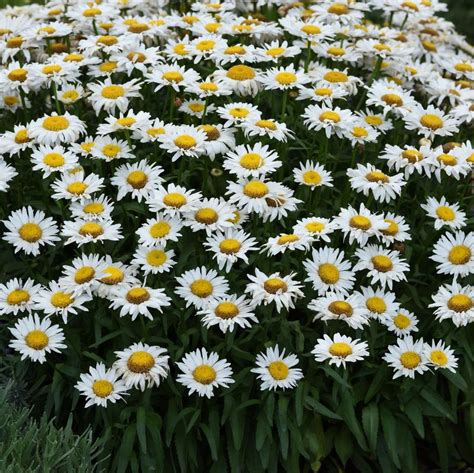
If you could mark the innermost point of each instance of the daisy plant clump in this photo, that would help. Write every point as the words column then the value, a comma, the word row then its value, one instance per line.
column 237, row 236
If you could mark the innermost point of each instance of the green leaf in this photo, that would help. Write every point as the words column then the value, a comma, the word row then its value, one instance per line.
column 347, row 412
column 344, row 445
column 437, row 402
column 141, row 428
column 370, row 423
column 321, row 409
column 125, row 450
column 390, row 434
column 413, row 411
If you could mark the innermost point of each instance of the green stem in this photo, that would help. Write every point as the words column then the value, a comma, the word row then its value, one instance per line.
column 55, row 94
column 308, row 56
column 283, row 106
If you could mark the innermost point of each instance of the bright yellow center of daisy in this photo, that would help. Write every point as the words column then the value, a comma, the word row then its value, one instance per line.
column 335, row 51
column 18, row 296
column 335, row 77
column 30, row 232
column 113, row 92
column 278, row 370
column 21, row 136
column 340, row 308
column 155, row 131
column 90, row 12
column 401, row 321
column 410, row 359
column 392, row 99
column 51, row 69
column 211, row 131
column 156, row 258
column 229, row 246
column 323, row 92
column 373, row 120
column 77, row 188
column 310, row 29
column 70, row 95
column 173, row 76
column 382, row 263
column 275, row 285
column 160, row 229
column 37, row 340
column 140, row 362
column 201, row 288
column 431, row 121
column 285, row 78
column 185, row 141
column 360, row 222
column 18, row 75
column 429, row 46
column 287, row 238
column 315, row 227
column 102, row 388
column 255, row 189
column 208, row 86
column 377, row 176
column 93, row 208
column 73, row 57
column 340, row 349
column 137, row 179
column 275, row 52
column 92, row 229
column 204, row 374
column 108, row 66
column 439, row 358
column 240, row 73
column 206, row 45
column 137, row 295
column 392, row 228
column 268, row 124
column 10, row 100
column 206, row 216
column 84, row 274
column 459, row 254
column 238, row 112
column 376, row 304
column 114, row 276
column 107, row 40
column 136, row 56
column 312, row 178
column 196, row 107
column 464, row 67
column 329, row 273
column 412, row 155
column 173, row 199
column 56, row 123
column 126, row 121
column 460, row 303
column 61, row 299
column 111, row 150
column 226, row 310
column 330, row 116
column 447, row 159
column 445, row 213
column 360, row 132
column 251, row 161
column 338, row 9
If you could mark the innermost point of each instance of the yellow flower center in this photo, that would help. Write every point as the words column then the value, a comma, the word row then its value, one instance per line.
column 251, row 161
column 376, row 304
column 71, row 95
column 447, row 159
column 335, row 51
column 30, row 232
column 464, row 67
column 360, row 222
column 51, row 69
column 213, row 27
column 382, row 47
column 392, row 228
column 323, row 92
column 382, row 263
column 226, row 310
column 410, row 5
column 204, row 374
column 392, row 99
column 90, row 12
column 37, row 340
column 360, row 132
column 77, row 188
column 340, row 349
column 102, row 388
column 206, row 215
column 315, row 227
column 401, row 321
column 338, row 9
column 431, row 121
column 201, row 288
column 439, row 358
column 211, row 131
column 56, row 123
column 15, row 42
column 238, row 112
column 275, row 52
column 377, row 176
column 287, row 238
column 335, row 77
column 173, row 76
column 92, row 229
column 111, row 150
column 136, row 56
column 268, row 124
column 341, row 308
column 113, row 92
column 286, row 78
column 185, row 141
column 155, row 131
column 160, row 229
column 18, row 75
column 229, row 246
column 61, row 299
column 410, row 359
column 140, row 362
column 206, row 45
column 278, row 370
column 138, row 28
column 310, row 29
column 47, row 29
column 240, row 73
column 255, row 189
column 429, row 46
column 137, row 179
column 137, row 295
column 107, row 40
column 10, row 100
column 93, row 208
column 275, row 285
column 108, row 66
column 329, row 273
column 208, row 86
column 445, row 213
column 73, row 57
column 373, row 120
column 460, row 303
column 114, row 276
column 18, row 296
column 330, row 116
column 412, row 155
column 312, row 178
column 196, row 107
column 156, row 258
column 173, row 199
column 459, row 254
column 126, row 122
column 84, row 274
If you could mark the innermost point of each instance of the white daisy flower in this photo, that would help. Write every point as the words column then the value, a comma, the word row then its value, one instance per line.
column 173, row 200
column 201, row 286
column 407, row 357
column 440, row 356
column 96, row 208
column 451, row 163
column 257, row 126
column 183, row 140
column 17, row 296
column 54, row 129
column 153, row 260
column 242, row 79
column 160, row 230
column 312, row 175
column 318, row 228
column 409, row 158
column 20, row 139
column 173, row 75
column 7, row 173
column 111, row 149
column 287, row 241
column 277, row 371
column 82, row 231
column 218, row 139
column 275, row 50
column 390, row 97
column 454, row 302
column 115, row 274
column 401, row 323
column 454, row 253
column 331, row 120
column 378, row 303
column 283, row 290
column 430, row 122
column 83, row 275
column 339, row 350
column 101, row 386
column 50, row 159
column 397, row 230
column 237, row 113
column 35, row 338
column 210, row 215
column 202, row 372
column 125, row 123
column 76, row 186
column 283, row 78
column 444, row 213
column 142, row 366
column 28, row 230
